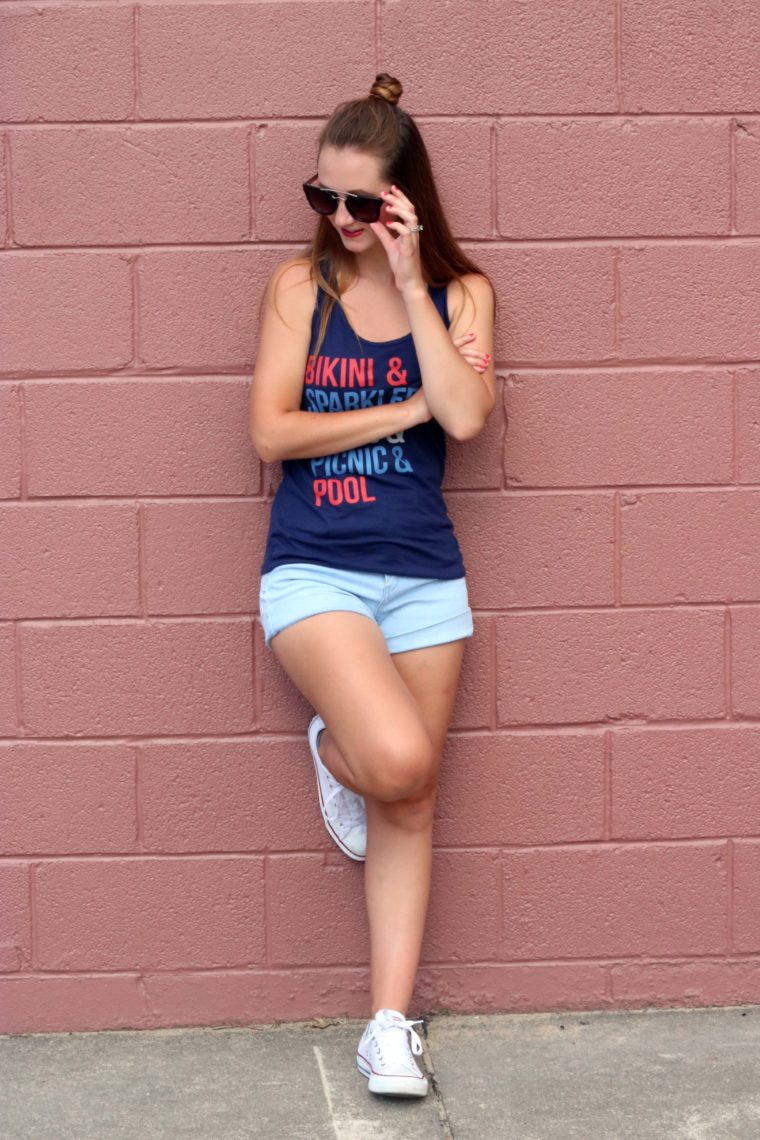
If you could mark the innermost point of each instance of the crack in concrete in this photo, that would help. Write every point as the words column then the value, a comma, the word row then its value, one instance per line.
column 437, row 1091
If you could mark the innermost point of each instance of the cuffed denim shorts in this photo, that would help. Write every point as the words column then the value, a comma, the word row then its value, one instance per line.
column 412, row 612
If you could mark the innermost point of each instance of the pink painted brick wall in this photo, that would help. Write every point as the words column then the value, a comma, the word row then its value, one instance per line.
column 597, row 845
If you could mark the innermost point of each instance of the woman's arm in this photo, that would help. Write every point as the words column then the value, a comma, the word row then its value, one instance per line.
column 459, row 401
column 277, row 426
column 460, row 398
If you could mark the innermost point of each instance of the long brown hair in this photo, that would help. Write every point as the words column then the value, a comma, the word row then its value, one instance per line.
column 377, row 125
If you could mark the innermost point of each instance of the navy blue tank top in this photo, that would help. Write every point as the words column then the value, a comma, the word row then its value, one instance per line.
column 377, row 507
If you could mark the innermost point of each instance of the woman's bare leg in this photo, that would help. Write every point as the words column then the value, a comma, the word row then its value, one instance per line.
column 400, row 838
column 376, row 741
column 387, row 720
column 332, row 758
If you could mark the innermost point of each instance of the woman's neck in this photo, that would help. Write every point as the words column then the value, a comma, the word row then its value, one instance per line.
column 372, row 266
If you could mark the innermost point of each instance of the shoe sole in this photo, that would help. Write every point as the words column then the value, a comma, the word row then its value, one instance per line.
column 312, row 736
column 394, row 1086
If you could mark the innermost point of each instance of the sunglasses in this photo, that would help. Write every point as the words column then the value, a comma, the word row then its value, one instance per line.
column 361, row 207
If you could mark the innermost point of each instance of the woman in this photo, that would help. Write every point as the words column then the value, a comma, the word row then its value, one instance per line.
column 363, row 593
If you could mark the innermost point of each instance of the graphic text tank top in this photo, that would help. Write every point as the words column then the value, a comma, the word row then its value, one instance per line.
column 377, row 507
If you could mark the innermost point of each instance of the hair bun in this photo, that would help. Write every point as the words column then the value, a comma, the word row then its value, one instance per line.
column 386, row 87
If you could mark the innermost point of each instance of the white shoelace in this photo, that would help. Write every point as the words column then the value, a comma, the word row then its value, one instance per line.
column 349, row 808
column 394, row 1047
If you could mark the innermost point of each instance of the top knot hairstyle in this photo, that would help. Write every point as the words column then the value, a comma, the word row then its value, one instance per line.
column 386, row 87
column 377, row 125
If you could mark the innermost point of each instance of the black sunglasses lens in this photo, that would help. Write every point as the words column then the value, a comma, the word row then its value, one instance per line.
column 364, row 209
column 359, row 206
column 320, row 200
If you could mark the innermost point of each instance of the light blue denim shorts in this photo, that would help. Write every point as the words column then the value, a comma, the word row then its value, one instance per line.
column 411, row 612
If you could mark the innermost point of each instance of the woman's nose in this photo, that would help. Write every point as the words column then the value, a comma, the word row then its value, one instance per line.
column 342, row 216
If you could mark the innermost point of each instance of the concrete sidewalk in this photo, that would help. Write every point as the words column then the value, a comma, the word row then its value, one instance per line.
column 649, row 1075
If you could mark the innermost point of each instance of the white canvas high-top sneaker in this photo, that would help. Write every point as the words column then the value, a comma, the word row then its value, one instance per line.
column 342, row 810
column 385, row 1056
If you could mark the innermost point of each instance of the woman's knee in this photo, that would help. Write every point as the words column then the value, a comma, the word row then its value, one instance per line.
column 399, row 766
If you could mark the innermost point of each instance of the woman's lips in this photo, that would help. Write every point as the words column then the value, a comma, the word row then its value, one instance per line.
column 350, row 233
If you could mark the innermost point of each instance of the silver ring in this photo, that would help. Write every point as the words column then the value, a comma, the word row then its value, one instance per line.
column 415, row 229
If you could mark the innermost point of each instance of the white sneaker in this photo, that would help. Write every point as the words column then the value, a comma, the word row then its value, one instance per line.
column 343, row 811
column 384, row 1055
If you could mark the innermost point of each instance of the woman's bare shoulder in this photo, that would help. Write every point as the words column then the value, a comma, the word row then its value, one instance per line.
column 294, row 275
column 292, row 291
column 468, row 288
column 478, row 283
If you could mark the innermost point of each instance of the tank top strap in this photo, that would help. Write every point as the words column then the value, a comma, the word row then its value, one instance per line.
column 316, row 315
column 438, row 295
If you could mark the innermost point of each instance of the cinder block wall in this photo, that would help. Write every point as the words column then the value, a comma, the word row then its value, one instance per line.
column 163, row 860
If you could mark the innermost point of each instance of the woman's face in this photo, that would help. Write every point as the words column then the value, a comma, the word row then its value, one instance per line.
column 344, row 169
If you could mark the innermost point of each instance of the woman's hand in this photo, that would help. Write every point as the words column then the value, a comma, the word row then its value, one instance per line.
column 479, row 360
column 404, row 250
